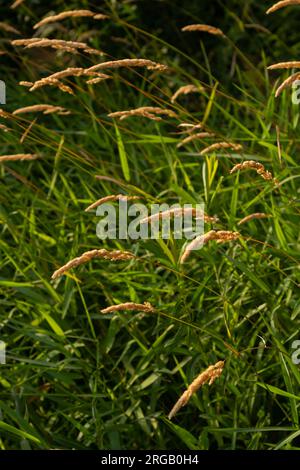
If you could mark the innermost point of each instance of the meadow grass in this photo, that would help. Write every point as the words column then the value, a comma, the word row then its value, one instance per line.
column 76, row 378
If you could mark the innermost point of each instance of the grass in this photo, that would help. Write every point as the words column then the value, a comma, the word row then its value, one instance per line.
column 76, row 378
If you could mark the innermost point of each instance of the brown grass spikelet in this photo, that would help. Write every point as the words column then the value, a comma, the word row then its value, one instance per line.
column 93, row 81
column 24, row 42
column 18, row 156
column 256, row 215
column 221, row 145
column 177, row 212
column 252, row 165
column 4, row 114
column 111, row 198
column 44, row 108
column 25, row 83
column 288, row 82
column 227, row 236
column 69, row 46
column 219, row 236
column 68, row 72
column 293, row 64
column 54, row 78
column 189, row 128
column 115, row 64
column 50, row 81
column 282, row 4
column 191, row 138
column 116, row 255
column 145, row 307
column 69, row 14
column 150, row 112
column 209, row 375
column 184, row 90
column 4, row 128
column 16, row 3
column 100, row 16
column 205, row 28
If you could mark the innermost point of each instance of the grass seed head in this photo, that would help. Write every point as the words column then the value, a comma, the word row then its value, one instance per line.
column 111, row 198
column 69, row 14
column 145, row 307
column 221, row 145
column 220, row 236
column 203, row 28
column 116, row 255
column 44, row 108
column 129, row 63
column 282, row 4
column 256, row 215
column 184, row 90
column 288, row 82
column 18, row 157
column 208, row 376
column 198, row 136
column 285, row 65
column 16, row 4
column 150, row 112
column 252, row 165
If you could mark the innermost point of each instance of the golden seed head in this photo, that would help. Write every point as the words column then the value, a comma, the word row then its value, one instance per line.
column 282, row 4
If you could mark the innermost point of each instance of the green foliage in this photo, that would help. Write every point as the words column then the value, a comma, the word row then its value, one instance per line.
column 76, row 378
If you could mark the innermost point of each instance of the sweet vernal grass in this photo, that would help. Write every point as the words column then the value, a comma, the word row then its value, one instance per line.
column 78, row 377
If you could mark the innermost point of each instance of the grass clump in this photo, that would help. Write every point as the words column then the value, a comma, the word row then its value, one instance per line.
column 76, row 377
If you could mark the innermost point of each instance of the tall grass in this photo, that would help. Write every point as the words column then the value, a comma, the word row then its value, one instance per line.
column 79, row 378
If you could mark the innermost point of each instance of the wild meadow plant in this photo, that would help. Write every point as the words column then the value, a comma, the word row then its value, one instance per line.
column 103, row 110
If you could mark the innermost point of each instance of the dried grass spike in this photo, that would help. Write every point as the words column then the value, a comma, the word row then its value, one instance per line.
column 203, row 28
column 24, row 83
column 177, row 212
column 150, row 112
column 189, row 128
column 93, row 81
column 4, row 114
column 293, row 64
column 145, row 307
column 220, row 236
column 24, row 42
column 257, row 215
column 8, row 28
column 221, row 145
column 252, row 165
column 116, row 255
column 69, row 14
column 18, row 156
column 44, row 108
column 184, row 90
column 288, row 82
column 16, row 4
column 191, row 138
column 111, row 198
column 54, row 78
column 115, row 64
column 209, row 375
column 282, row 4
column 4, row 128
